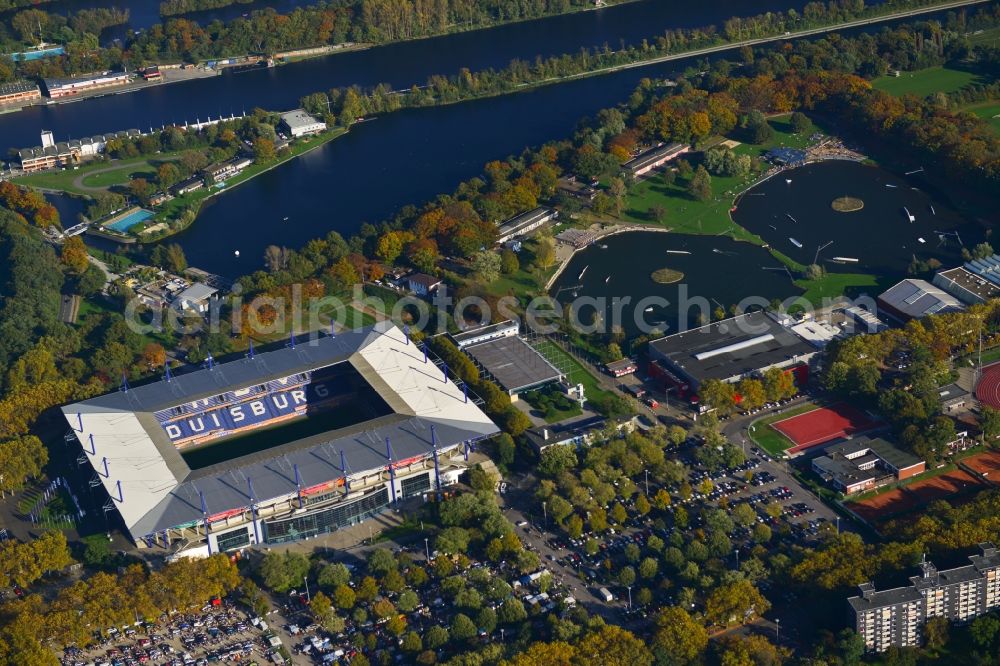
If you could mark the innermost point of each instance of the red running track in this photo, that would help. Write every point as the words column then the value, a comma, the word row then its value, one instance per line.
column 988, row 388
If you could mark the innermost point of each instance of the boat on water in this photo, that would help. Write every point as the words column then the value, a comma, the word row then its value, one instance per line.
column 285, row 219
column 236, row 253
column 789, row 216
column 580, row 277
column 678, row 252
column 890, row 185
column 845, row 260
column 909, row 215
column 933, row 212
column 795, row 242
column 607, row 279
column 603, row 246
column 649, row 309
column 788, row 181
column 921, row 240
column 773, row 227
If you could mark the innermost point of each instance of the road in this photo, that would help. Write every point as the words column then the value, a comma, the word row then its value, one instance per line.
column 799, row 34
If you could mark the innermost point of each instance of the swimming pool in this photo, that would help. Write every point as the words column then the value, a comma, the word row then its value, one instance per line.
column 130, row 220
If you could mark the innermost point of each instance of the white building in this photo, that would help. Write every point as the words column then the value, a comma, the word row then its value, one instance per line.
column 299, row 123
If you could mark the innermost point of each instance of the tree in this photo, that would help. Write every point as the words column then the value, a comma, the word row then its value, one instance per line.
column 800, row 122
column 509, row 262
column 263, row 149
column 412, row 642
column 989, row 422
column 511, row 611
column 545, row 253
column 557, row 459
column 611, row 645
column 718, row 394
column 679, row 639
column 658, row 212
column 751, row 392
column 936, row 632
column 344, row 597
column 778, row 384
column 735, row 602
column 486, row 266
column 381, row 561
column 332, row 576
column 462, row 628
column 700, row 185
column 618, row 192
column 282, row 572
column 24, row 563
column 642, row 505
column 21, row 458
column 322, row 609
column 74, row 255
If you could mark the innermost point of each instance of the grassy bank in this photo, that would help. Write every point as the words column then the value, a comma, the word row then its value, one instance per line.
column 101, row 174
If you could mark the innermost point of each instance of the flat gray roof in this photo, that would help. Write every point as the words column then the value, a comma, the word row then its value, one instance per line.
column 885, row 450
column 919, row 298
column 731, row 347
column 513, row 363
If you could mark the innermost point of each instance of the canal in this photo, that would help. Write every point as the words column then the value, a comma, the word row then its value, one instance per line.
column 400, row 65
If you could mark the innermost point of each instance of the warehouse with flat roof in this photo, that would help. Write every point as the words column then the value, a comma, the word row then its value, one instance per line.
column 731, row 349
column 513, row 364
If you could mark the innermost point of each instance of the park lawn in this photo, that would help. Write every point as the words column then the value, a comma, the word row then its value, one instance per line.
column 988, row 111
column 926, row 81
column 769, row 439
column 62, row 179
column 684, row 214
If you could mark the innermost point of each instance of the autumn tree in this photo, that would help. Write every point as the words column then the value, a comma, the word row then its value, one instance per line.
column 735, row 602
column 679, row 639
column 74, row 255
column 21, row 458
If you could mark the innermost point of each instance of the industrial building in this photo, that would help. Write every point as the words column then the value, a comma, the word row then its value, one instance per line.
column 895, row 617
column 57, row 88
column 914, row 299
column 976, row 281
column 525, row 223
column 280, row 445
column 862, row 464
column 19, row 92
column 472, row 336
column 299, row 123
column 653, row 158
column 729, row 350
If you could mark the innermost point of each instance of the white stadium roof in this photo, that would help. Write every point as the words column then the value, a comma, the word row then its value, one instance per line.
column 153, row 487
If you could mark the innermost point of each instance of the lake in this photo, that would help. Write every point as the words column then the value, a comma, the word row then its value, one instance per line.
column 880, row 235
column 718, row 272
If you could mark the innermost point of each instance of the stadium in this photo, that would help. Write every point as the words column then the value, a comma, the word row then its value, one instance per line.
column 280, row 445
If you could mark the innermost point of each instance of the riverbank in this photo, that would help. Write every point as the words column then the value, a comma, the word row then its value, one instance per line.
column 566, row 251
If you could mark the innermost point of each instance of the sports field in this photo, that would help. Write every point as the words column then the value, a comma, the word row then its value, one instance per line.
column 988, row 111
column 987, row 463
column 988, row 388
column 823, row 425
column 926, row 82
column 949, row 485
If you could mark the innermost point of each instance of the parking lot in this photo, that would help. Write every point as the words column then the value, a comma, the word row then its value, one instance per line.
column 218, row 634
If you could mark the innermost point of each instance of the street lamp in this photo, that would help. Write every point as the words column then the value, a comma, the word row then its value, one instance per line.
column 427, row 549
column 838, row 525
column 777, row 630
column 737, row 559
column 305, row 579
column 647, row 481
column 629, row 597
column 545, row 512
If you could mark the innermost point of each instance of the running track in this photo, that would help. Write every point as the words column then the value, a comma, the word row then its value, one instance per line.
column 988, row 388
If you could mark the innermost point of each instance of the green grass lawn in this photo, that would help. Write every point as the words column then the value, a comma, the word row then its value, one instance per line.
column 832, row 285
column 769, row 439
column 926, row 81
column 575, row 370
column 687, row 215
column 63, row 178
column 988, row 111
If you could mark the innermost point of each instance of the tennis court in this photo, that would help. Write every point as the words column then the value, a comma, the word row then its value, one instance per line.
column 128, row 219
column 823, row 425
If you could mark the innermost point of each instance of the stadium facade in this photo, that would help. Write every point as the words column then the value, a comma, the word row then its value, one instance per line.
column 280, row 445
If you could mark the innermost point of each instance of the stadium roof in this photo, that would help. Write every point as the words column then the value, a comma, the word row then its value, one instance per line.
column 158, row 490
column 514, row 363
column 732, row 347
